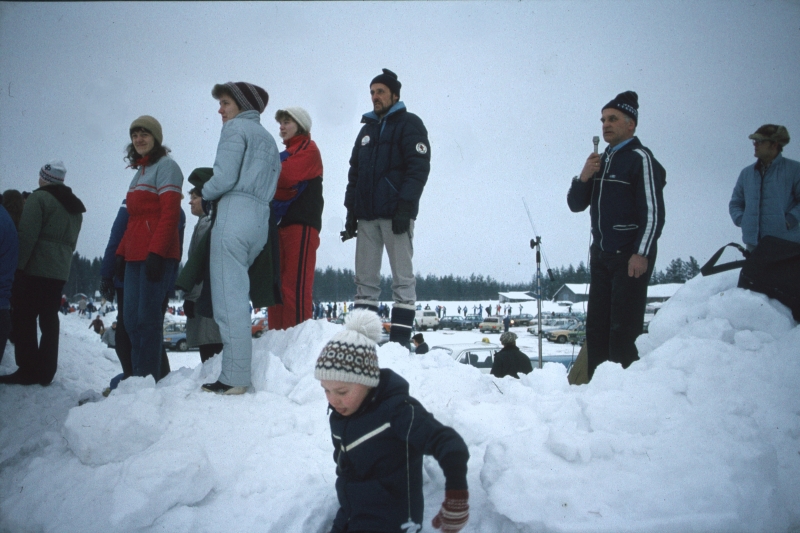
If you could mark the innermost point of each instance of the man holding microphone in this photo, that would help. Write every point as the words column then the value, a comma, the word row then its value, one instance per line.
column 624, row 187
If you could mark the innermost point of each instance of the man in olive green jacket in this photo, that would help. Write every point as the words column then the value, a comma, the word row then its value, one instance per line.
column 48, row 233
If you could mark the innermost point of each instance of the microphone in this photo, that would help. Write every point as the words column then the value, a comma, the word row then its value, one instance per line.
column 596, row 141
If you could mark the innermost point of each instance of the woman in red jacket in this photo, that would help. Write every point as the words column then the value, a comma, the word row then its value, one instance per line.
column 297, row 207
column 148, row 255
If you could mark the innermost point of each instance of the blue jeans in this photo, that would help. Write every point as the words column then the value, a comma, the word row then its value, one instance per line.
column 143, row 318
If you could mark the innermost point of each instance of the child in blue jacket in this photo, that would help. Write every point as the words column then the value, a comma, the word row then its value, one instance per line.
column 380, row 434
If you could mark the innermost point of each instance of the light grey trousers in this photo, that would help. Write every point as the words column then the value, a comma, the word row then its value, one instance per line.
column 373, row 235
column 239, row 234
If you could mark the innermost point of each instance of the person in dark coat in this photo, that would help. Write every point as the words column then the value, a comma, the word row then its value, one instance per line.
column 510, row 361
column 380, row 435
column 9, row 256
column 506, row 323
column 420, row 344
column 48, row 233
column 389, row 167
column 623, row 187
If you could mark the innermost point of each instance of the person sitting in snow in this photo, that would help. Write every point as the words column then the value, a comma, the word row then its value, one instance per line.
column 380, row 434
column 421, row 347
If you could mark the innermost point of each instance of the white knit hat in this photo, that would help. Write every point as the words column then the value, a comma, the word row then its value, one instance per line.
column 351, row 356
column 53, row 172
column 299, row 115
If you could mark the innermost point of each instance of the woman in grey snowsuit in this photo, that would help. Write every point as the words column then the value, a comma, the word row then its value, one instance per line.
column 245, row 177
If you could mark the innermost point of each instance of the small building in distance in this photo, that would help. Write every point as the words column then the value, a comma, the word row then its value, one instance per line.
column 515, row 297
column 572, row 292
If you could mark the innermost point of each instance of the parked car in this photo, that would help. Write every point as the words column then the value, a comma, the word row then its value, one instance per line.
column 426, row 319
column 474, row 320
column 175, row 336
column 491, row 324
column 533, row 355
column 480, row 354
column 455, row 322
column 550, row 324
column 575, row 333
column 523, row 319
column 258, row 327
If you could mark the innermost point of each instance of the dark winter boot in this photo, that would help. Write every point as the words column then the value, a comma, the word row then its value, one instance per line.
column 402, row 322
column 361, row 305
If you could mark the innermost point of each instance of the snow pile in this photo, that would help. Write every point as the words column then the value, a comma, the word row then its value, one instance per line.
column 702, row 434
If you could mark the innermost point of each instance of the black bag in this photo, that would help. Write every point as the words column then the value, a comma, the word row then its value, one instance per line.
column 772, row 268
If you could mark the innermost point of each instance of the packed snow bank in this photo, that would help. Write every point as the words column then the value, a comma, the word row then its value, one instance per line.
column 702, row 434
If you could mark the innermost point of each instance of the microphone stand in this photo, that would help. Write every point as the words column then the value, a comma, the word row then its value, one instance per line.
column 537, row 245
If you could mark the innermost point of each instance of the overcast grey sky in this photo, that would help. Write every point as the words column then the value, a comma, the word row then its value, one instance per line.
column 510, row 92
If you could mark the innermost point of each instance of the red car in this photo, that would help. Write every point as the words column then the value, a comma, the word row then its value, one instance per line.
column 258, row 327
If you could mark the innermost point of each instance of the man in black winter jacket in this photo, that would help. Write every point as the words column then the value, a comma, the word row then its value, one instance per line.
column 624, row 187
column 389, row 167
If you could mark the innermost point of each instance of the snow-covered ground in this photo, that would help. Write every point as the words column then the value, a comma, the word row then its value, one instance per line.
column 702, row 434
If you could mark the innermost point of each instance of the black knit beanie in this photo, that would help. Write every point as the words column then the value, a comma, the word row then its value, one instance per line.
column 628, row 103
column 389, row 79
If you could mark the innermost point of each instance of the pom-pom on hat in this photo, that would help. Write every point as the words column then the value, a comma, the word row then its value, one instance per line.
column 150, row 124
column 53, row 172
column 628, row 103
column 351, row 356
column 772, row 132
column 248, row 96
column 389, row 79
column 298, row 114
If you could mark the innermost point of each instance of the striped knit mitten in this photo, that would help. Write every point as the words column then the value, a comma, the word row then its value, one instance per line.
column 454, row 513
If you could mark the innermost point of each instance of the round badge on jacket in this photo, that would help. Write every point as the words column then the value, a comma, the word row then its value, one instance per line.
column 421, row 148
column 365, row 140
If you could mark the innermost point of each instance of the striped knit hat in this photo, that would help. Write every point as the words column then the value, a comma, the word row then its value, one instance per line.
column 351, row 356
column 248, row 96
column 53, row 172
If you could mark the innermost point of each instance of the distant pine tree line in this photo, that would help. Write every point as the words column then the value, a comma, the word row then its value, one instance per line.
column 338, row 285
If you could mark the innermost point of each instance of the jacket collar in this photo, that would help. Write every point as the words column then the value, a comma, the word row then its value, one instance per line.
column 371, row 117
column 65, row 196
column 250, row 114
column 296, row 141
column 631, row 144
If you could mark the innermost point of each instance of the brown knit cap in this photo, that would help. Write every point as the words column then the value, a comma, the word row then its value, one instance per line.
column 150, row 124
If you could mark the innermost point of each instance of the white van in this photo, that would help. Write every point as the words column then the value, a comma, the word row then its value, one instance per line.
column 426, row 319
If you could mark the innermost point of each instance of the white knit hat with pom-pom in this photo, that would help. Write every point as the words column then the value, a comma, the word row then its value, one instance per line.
column 351, row 356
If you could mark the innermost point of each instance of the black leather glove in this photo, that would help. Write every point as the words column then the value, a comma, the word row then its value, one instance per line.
column 401, row 221
column 119, row 268
column 154, row 267
column 188, row 309
column 107, row 289
column 350, row 226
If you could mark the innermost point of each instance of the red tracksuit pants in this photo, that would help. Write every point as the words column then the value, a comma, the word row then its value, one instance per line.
column 298, row 248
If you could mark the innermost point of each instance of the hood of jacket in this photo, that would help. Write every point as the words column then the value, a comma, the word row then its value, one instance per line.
column 64, row 194
column 372, row 117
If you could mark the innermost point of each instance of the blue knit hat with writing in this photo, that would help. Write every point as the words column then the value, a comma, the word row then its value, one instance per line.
column 628, row 103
